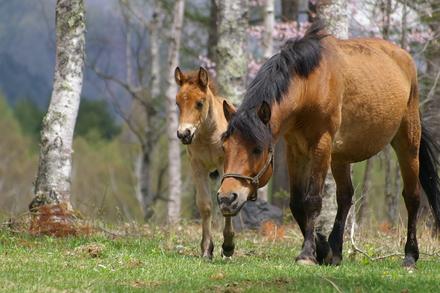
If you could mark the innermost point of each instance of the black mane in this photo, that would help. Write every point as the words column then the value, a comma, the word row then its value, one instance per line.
column 299, row 56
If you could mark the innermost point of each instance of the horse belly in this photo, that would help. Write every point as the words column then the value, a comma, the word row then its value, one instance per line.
column 359, row 140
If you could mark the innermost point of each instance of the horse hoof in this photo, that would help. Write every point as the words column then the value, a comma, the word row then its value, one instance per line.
column 324, row 253
column 227, row 254
column 306, row 261
column 409, row 264
column 207, row 256
column 336, row 260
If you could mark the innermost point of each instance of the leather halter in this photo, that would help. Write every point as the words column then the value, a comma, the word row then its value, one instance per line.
column 255, row 181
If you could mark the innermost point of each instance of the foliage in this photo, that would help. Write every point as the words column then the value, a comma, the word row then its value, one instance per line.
column 102, row 180
column 30, row 118
column 17, row 165
column 157, row 259
column 95, row 121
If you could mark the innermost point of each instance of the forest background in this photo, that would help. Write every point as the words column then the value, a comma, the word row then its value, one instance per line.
column 106, row 152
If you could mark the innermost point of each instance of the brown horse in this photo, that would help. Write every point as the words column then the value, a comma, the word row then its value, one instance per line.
column 334, row 102
column 201, row 124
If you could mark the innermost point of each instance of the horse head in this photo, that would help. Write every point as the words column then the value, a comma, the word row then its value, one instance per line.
column 193, row 102
column 248, row 163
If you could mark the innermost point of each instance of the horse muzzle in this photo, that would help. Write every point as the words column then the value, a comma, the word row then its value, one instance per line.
column 186, row 136
column 230, row 203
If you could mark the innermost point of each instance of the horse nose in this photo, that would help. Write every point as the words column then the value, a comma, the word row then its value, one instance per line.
column 183, row 134
column 226, row 199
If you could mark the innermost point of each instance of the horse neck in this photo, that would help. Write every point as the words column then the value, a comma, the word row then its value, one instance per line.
column 283, row 113
column 211, row 126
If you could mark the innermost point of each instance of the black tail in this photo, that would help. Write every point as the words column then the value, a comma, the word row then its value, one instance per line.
column 428, row 174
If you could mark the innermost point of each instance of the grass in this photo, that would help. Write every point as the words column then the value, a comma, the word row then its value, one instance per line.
column 154, row 259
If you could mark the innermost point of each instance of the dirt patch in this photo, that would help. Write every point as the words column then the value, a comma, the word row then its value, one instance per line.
column 237, row 287
column 90, row 249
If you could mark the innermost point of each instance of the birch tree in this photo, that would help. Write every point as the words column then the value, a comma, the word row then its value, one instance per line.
column 174, row 164
column 231, row 52
column 52, row 184
column 334, row 14
column 269, row 25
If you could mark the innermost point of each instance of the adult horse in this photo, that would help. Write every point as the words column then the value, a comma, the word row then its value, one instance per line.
column 201, row 124
column 334, row 102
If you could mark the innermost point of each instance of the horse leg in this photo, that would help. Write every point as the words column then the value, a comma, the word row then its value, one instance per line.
column 344, row 194
column 307, row 208
column 298, row 169
column 406, row 145
column 228, row 234
column 204, row 204
column 323, row 250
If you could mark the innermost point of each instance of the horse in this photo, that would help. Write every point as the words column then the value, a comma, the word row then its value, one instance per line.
column 201, row 125
column 335, row 102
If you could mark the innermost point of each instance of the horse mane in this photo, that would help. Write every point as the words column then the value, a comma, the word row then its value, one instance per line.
column 298, row 56
column 193, row 78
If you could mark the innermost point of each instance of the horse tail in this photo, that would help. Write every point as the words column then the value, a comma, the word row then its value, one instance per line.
column 428, row 174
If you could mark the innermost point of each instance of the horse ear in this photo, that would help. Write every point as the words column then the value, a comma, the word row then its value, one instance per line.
column 264, row 113
column 203, row 77
column 178, row 76
column 228, row 110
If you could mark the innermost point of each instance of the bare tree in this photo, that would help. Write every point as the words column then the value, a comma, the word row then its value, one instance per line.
column 52, row 184
column 231, row 50
column 174, row 165
column 141, row 84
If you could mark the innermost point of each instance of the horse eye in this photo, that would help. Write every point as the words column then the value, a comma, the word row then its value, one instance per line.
column 257, row 150
column 223, row 149
column 199, row 104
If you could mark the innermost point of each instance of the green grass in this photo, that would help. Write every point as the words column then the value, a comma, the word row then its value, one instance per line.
column 166, row 260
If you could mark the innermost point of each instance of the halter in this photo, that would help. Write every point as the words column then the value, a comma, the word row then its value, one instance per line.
column 254, row 180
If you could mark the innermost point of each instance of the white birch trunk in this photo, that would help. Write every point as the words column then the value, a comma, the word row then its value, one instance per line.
column 154, row 51
column 231, row 52
column 55, row 165
column 334, row 14
column 269, row 24
column 174, row 164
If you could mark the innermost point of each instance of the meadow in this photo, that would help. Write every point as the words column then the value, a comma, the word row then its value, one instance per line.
column 153, row 258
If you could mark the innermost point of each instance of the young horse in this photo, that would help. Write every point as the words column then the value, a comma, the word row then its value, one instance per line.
column 201, row 125
column 334, row 102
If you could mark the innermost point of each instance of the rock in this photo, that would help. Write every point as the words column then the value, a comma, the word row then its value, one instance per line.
column 254, row 214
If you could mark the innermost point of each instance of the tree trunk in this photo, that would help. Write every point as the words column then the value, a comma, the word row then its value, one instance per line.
column 232, row 56
column 269, row 25
column 144, row 192
column 213, row 33
column 334, row 14
column 174, row 164
column 154, row 51
column 362, row 216
column 54, row 170
column 391, row 207
column 289, row 10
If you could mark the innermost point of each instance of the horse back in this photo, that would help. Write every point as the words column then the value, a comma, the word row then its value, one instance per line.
column 373, row 83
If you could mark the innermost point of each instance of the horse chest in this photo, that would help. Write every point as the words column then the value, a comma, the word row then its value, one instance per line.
column 209, row 155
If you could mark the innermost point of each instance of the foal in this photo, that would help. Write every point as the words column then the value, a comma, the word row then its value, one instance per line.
column 201, row 124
